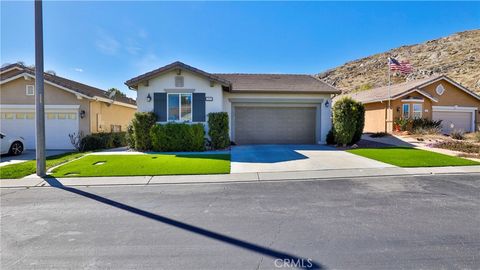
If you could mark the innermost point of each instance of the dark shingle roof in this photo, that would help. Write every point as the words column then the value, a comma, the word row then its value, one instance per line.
column 235, row 82
column 281, row 83
column 80, row 88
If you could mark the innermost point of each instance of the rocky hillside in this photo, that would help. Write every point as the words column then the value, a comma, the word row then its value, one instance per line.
column 457, row 56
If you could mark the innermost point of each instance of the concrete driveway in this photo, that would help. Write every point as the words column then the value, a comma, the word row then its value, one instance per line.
column 282, row 158
column 27, row 155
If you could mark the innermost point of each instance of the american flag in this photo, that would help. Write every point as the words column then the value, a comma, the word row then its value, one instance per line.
column 402, row 66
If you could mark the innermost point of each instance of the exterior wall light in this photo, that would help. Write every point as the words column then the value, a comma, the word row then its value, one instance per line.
column 327, row 104
column 82, row 114
column 149, row 98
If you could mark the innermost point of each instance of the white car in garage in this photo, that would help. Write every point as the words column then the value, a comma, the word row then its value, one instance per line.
column 11, row 145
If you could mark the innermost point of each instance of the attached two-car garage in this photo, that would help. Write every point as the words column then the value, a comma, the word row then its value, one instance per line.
column 295, row 124
column 455, row 118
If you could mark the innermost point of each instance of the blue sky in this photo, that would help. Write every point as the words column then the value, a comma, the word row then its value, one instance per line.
column 106, row 43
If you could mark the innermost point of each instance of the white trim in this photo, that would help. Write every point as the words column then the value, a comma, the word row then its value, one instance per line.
column 54, row 84
column 10, row 69
column 403, row 111
column 30, row 87
column 461, row 87
column 413, row 100
column 77, row 94
column 277, row 100
column 453, row 109
column 16, row 107
column 471, row 110
column 413, row 110
column 97, row 98
column 180, row 108
column 418, row 91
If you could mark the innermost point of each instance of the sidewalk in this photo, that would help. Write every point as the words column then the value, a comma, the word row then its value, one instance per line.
column 239, row 177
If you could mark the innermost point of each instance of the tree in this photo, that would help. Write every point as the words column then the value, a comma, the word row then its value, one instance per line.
column 348, row 120
column 117, row 92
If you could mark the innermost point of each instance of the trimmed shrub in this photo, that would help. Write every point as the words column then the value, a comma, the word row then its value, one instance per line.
column 360, row 122
column 173, row 137
column 103, row 141
column 130, row 137
column 347, row 120
column 218, row 130
column 331, row 137
column 457, row 135
column 142, row 123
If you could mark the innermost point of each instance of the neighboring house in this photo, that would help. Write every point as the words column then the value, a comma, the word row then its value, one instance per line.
column 262, row 108
column 437, row 98
column 70, row 107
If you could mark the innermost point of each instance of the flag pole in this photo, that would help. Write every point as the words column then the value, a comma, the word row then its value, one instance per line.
column 389, row 109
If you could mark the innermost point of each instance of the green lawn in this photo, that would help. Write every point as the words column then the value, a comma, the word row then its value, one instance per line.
column 23, row 169
column 150, row 164
column 411, row 157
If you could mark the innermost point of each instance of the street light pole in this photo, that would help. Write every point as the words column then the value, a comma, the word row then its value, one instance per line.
column 39, row 91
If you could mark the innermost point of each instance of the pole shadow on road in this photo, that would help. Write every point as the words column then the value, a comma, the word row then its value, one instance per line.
column 292, row 260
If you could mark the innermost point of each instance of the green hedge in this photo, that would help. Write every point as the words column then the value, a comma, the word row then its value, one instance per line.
column 348, row 121
column 218, row 130
column 174, row 137
column 142, row 123
column 103, row 141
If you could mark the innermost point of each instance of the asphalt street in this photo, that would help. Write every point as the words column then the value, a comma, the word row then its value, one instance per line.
column 423, row 222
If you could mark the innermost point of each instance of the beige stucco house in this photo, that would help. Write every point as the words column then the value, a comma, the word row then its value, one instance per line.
column 262, row 108
column 437, row 98
column 70, row 107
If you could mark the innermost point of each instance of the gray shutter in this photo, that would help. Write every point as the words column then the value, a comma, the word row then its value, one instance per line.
column 198, row 107
column 160, row 106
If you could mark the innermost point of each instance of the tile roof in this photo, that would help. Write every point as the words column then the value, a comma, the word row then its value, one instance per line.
column 235, row 82
column 80, row 88
column 382, row 93
column 279, row 83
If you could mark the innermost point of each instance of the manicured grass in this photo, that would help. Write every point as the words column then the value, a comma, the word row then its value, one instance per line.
column 150, row 164
column 411, row 157
column 26, row 168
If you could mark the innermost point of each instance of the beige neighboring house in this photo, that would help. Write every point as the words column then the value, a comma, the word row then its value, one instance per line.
column 70, row 107
column 437, row 98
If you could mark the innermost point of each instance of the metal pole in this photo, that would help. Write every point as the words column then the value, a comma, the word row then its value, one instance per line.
column 389, row 98
column 39, row 91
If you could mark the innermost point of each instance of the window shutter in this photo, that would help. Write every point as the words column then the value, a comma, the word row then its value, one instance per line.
column 198, row 107
column 160, row 106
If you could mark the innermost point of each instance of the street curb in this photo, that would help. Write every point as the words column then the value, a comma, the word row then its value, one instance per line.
column 243, row 177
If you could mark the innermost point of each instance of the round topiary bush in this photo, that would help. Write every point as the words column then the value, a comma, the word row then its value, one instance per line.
column 348, row 121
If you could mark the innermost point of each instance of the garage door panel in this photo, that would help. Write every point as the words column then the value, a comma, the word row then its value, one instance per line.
column 454, row 121
column 275, row 125
column 56, row 130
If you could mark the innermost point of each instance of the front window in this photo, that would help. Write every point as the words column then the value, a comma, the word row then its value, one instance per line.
column 417, row 111
column 180, row 107
column 405, row 111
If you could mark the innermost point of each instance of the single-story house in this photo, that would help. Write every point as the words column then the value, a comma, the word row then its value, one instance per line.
column 434, row 98
column 70, row 107
column 262, row 108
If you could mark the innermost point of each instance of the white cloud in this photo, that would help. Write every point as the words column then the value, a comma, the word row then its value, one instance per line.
column 132, row 47
column 106, row 43
column 147, row 62
column 142, row 33
column 78, row 69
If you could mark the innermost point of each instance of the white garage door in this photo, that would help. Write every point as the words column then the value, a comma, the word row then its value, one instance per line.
column 58, row 124
column 461, row 121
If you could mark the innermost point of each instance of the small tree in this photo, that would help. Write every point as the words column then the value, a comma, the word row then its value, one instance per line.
column 115, row 92
column 345, row 120
column 142, row 123
column 76, row 140
column 218, row 130
column 360, row 121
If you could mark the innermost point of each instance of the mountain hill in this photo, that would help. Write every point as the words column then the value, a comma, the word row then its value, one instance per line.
column 457, row 56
